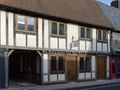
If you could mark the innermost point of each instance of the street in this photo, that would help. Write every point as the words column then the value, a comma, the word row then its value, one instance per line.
column 109, row 87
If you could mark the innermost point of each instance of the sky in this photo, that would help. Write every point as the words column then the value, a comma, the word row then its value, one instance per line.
column 106, row 1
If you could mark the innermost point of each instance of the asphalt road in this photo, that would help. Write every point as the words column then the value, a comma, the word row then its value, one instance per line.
column 110, row 87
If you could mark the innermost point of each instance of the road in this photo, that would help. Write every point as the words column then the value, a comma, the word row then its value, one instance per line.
column 110, row 87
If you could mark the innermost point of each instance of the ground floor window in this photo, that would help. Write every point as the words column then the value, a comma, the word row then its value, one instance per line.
column 57, row 64
column 85, row 64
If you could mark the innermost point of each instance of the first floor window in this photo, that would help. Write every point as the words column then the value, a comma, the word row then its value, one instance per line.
column 57, row 29
column 57, row 64
column 102, row 35
column 85, row 64
column 25, row 23
column 85, row 33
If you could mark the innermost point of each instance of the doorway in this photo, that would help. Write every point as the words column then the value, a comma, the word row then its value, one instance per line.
column 71, row 68
column 25, row 66
column 101, row 67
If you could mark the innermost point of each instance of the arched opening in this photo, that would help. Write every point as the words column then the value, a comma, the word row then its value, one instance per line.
column 25, row 66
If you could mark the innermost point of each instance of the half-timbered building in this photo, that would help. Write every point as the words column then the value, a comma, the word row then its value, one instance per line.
column 53, row 41
column 113, row 15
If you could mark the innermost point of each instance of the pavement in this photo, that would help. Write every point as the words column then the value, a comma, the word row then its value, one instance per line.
column 65, row 86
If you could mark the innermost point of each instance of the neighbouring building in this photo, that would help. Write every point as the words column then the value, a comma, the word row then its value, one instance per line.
column 53, row 41
column 113, row 15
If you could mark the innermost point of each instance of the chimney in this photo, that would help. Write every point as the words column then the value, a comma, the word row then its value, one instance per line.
column 115, row 3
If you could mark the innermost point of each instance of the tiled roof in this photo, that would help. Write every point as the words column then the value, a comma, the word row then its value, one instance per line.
column 83, row 11
column 113, row 15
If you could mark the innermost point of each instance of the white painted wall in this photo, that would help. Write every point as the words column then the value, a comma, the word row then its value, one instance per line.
column 45, row 78
column 82, row 45
column 61, row 77
column 31, row 41
column 46, row 31
column 21, row 40
column 88, row 45
column 53, row 43
column 62, row 43
column 99, row 47
column 10, row 29
column 3, row 27
column 105, row 47
column 45, row 64
column 93, row 67
column 72, row 31
column 108, row 41
column 88, row 75
column 53, row 77
column 108, row 66
column 94, row 39
column 40, row 33
column 81, row 76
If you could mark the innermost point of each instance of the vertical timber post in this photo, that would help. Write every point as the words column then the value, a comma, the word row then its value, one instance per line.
column 3, row 68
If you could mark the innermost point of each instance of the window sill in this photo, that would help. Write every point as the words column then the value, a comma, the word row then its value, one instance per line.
column 60, row 36
column 102, row 41
column 86, row 39
column 25, row 32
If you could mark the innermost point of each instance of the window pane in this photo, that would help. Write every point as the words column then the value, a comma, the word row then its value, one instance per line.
column 61, row 29
column 82, row 32
column 81, row 63
column 54, row 28
column 21, row 23
column 99, row 35
column 53, row 63
column 88, row 65
column 104, row 36
column 60, row 63
column 88, row 33
column 31, row 24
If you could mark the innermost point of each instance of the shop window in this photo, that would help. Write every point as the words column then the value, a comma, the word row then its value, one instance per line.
column 25, row 23
column 57, row 29
column 85, row 64
column 57, row 64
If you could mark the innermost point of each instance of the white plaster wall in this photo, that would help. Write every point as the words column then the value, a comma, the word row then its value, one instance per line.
column 45, row 78
column 10, row 29
column 99, row 47
column 94, row 39
column 93, row 75
column 93, row 63
column 3, row 27
column 72, row 31
column 82, row 45
column 40, row 31
column 53, row 43
column 61, row 77
column 109, row 41
column 108, row 66
column 46, row 31
column 104, row 47
column 88, row 75
column 21, row 40
column 62, row 43
column 53, row 77
column 88, row 45
column 81, row 76
column 31, row 40
column 45, row 63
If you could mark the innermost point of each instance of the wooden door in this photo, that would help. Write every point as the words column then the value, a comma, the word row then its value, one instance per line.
column 101, row 67
column 71, row 68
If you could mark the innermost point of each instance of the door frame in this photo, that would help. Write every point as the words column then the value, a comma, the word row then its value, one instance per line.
column 77, row 73
column 105, row 66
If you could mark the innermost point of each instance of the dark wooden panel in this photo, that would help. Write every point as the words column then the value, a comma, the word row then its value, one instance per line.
column 71, row 68
column 101, row 67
